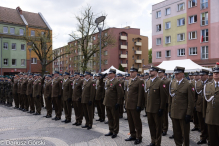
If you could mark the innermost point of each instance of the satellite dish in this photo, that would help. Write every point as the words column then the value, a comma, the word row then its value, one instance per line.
column 100, row 19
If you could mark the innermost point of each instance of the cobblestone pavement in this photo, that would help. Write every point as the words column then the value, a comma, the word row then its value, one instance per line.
column 17, row 128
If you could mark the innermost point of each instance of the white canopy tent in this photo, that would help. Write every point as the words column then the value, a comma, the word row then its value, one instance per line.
column 189, row 65
column 117, row 71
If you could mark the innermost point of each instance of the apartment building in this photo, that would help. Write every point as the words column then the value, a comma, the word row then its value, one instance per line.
column 185, row 29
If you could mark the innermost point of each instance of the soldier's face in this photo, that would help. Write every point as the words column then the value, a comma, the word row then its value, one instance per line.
column 133, row 74
column 153, row 73
column 179, row 76
column 210, row 77
column 87, row 77
column 197, row 77
column 161, row 74
column 216, row 76
column 204, row 77
column 111, row 75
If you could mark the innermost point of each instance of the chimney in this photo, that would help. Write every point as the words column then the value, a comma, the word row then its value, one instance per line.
column 19, row 10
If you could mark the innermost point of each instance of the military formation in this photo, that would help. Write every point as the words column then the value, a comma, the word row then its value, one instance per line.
column 193, row 99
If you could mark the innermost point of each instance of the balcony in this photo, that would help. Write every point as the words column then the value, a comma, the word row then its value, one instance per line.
column 138, row 52
column 138, row 61
column 124, row 65
column 123, row 46
column 140, row 70
column 123, row 38
column 138, row 43
column 123, row 55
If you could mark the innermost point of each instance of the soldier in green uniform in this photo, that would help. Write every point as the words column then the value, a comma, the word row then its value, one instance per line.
column 1, row 89
column 211, row 107
column 37, row 93
column 126, row 82
column 47, row 88
column 14, row 91
column 121, row 109
column 181, row 104
column 29, row 93
column 146, row 78
column 5, row 90
column 9, row 93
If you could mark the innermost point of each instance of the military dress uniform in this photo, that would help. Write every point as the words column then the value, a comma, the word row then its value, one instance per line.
column 134, row 105
column 121, row 108
column 76, row 100
column 29, row 94
column 211, row 108
column 19, row 94
column 5, row 91
column 181, row 104
column 15, row 94
column 25, row 103
column 156, row 102
column 36, row 95
column 47, row 95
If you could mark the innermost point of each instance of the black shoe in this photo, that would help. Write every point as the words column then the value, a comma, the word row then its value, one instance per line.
column 164, row 133
column 84, row 126
column 54, row 118
column 24, row 110
column 145, row 116
column 137, row 141
column 202, row 142
column 75, row 123
column 64, row 120
column 151, row 144
column 48, row 116
column 36, row 114
column 114, row 136
column 209, row 143
column 109, row 134
column 98, row 120
column 32, row 112
column 102, row 120
column 57, row 119
column 106, row 122
column 126, row 119
column 67, row 121
column 89, row 127
column 78, row 124
column 20, row 109
column 195, row 129
column 171, row 137
column 130, row 139
column 120, row 117
column 199, row 130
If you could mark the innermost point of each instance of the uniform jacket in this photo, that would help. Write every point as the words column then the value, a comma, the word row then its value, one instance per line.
column 23, row 86
column 100, row 92
column 56, row 87
column 88, row 91
column 135, row 94
column 19, row 85
column 199, row 95
column 15, row 87
column 47, row 89
column 182, row 103
column 36, row 88
column 77, row 89
column 29, row 87
column 67, row 89
column 156, row 98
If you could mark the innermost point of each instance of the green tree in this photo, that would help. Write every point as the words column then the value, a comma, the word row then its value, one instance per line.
column 150, row 55
column 121, row 68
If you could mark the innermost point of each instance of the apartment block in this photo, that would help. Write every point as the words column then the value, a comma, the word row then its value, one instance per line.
column 130, row 49
column 185, row 29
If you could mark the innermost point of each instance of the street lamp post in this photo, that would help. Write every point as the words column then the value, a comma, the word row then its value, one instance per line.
column 98, row 21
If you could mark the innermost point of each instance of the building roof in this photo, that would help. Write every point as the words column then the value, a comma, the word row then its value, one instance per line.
column 34, row 19
column 9, row 15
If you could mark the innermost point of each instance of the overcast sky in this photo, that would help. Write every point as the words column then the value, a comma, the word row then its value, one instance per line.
column 60, row 14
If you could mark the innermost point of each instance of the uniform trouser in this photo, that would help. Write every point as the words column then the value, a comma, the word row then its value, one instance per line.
column 10, row 98
column 213, row 131
column 113, row 119
column 48, row 103
column 31, row 103
column 26, row 102
column 100, row 109
column 67, row 109
column 38, row 105
column 181, row 132
column 16, row 100
column 135, row 125
column 121, row 109
column 88, row 114
column 58, row 106
column 78, row 111
column 195, row 119
column 42, row 101
column 155, row 126
column 21, row 101
column 165, row 120
column 203, row 126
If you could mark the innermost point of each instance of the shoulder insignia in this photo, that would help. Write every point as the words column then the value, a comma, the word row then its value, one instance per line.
column 193, row 89
column 164, row 85
column 142, row 85
column 119, row 84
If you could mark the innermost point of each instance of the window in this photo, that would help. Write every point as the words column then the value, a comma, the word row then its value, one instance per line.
column 158, row 54
column 158, row 14
column 181, row 22
column 204, row 51
column 12, row 30
column 23, row 47
column 193, row 51
column 105, row 52
column 204, row 19
column 21, row 31
column 167, row 25
column 204, row 4
column 181, row 52
column 168, row 53
column 5, row 29
column 181, row 7
column 192, row 3
column 13, row 46
column 5, row 46
column 13, row 62
column 126, row 52
column 204, row 35
column 105, row 34
column 168, row 39
column 168, row 11
column 181, row 37
column 121, row 61
column 192, row 19
column 32, row 33
column 106, row 62
column 5, row 61
column 192, row 35
column 159, row 27
column 22, row 62
column 42, row 33
column 94, row 38
column 158, row 41
column 33, row 60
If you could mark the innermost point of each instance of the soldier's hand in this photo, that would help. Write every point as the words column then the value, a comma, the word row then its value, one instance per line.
column 49, row 98
column 38, row 96
column 160, row 112
column 187, row 119
column 138, row 109
column 90, row 103
column 79, row 100
column 117, row 106
column 69, row 99
column 59, row 96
